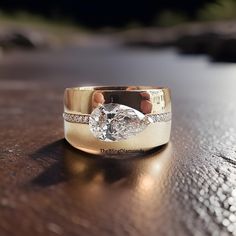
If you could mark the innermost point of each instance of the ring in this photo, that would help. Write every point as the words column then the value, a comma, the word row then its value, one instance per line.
column 117, row 120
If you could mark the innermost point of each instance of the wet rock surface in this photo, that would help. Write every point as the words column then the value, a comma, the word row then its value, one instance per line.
column 48, row 188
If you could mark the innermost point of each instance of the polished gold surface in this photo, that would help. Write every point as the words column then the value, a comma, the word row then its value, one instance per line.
column 148, row 100
column 144, row 99
column 81, row 166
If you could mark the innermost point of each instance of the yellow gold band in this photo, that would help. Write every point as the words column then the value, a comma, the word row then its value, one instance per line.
column 134, row 101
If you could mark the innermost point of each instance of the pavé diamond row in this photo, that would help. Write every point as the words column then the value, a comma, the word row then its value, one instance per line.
column 114, row 122
column 76, row 118
column 84, row 119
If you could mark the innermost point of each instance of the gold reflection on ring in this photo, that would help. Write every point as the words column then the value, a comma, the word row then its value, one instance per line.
column 88, row 173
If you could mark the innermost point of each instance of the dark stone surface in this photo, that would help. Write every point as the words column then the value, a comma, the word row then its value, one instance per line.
column 223, row 49
column 22, row 39
column 48, row 188
column 16, row 40
column 197, row 44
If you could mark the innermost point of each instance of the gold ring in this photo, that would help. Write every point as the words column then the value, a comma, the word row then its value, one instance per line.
column 117, row 120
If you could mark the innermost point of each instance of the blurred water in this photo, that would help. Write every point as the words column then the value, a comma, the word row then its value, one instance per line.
column 187, row 76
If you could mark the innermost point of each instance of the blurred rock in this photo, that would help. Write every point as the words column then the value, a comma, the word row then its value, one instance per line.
column 197, row 44
column 217, row 39
column 150, row 38
column 18, row 40
column 224, row 49
column 21, row 40
column 221, row 48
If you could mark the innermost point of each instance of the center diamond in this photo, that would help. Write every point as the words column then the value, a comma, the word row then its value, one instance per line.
column 114, row 122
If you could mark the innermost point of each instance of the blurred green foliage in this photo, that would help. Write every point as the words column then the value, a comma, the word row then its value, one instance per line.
column 170, row 18
column 21, row 18
column 221, row 10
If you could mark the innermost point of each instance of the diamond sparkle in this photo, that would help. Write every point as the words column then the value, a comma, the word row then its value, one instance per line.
column 114, row 122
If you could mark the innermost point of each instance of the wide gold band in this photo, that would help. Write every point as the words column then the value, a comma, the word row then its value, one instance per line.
column 147, row 100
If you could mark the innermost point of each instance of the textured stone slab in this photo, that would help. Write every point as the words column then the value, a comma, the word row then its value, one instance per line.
column 48, row 188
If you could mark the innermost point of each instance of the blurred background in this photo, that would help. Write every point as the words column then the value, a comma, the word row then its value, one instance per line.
column 67, row 43
column 91, row 42
column 193, row 27
column 120, row 13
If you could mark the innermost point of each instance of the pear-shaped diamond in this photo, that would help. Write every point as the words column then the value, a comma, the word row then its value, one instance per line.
column 114, row 122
